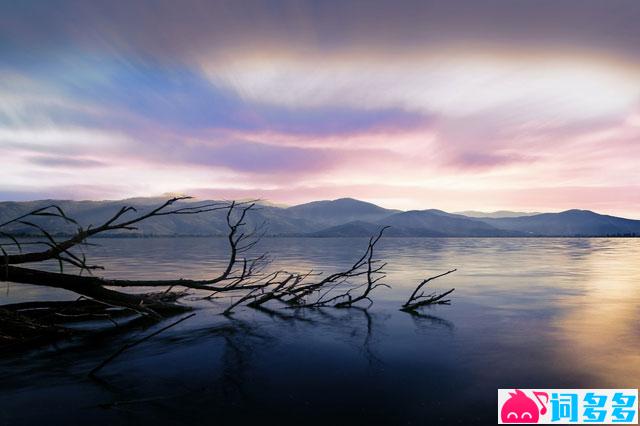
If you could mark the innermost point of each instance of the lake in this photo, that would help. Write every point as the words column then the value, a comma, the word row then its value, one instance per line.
column 537, row 312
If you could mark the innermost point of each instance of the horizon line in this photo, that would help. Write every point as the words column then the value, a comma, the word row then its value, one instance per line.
column 273, row 203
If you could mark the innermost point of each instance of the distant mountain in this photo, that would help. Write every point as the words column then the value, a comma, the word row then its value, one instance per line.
column 352, row 229
column 337, row 212
column 443, row 223
column 568, row 223
column 366, row 229
column 345, row 217
column 496, row 214
column 95, row 212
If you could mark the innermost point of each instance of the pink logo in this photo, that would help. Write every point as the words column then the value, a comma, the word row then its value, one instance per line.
column 519, row 408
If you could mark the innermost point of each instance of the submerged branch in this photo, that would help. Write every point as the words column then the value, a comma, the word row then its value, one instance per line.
column 417, row 300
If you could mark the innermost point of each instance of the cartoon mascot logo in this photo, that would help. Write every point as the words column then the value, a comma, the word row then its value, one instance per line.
column 519, row 408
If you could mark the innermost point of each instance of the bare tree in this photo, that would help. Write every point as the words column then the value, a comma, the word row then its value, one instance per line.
column 244, row 279
column 240, row 271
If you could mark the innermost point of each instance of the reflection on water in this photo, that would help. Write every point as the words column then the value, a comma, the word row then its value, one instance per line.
column 526, row 312
column 602, row 326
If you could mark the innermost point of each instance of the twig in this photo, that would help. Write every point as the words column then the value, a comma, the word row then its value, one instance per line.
column 417, row 300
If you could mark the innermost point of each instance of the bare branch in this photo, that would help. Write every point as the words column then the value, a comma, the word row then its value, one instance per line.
column 364, row 266
column 116, row 222
column 243, row 275
column 417, row 300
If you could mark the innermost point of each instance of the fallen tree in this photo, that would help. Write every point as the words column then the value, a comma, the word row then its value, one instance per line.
column 244, row 280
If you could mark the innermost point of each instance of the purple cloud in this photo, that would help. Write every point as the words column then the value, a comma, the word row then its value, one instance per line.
column 65, row 162
column 482, row 161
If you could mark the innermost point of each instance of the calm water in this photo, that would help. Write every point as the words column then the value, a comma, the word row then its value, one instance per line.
column 526, row 313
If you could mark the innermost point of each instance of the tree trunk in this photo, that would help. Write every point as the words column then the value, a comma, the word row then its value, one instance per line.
column 92, row 287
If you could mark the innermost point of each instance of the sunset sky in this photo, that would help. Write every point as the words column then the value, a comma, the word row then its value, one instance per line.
column 456, row 105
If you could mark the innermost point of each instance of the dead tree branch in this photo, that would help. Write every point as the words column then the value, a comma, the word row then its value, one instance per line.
column 417, row 300
column 243, row 278
column 241, row 271
column 365, row 266
column 116, row 222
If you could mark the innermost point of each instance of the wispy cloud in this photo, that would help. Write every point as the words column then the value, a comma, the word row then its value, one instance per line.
column 62, row 162
column 420, row 104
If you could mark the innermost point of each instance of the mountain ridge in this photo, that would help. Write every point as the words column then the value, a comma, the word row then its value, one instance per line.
column 495, row 214
column 343, row 217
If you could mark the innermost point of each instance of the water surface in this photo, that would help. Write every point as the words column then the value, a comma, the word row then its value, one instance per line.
column 526, row 313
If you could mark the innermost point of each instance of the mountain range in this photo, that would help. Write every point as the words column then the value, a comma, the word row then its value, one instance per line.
column 345, row 217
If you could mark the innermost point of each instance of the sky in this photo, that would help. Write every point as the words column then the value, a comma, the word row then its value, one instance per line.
column 456, row 105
